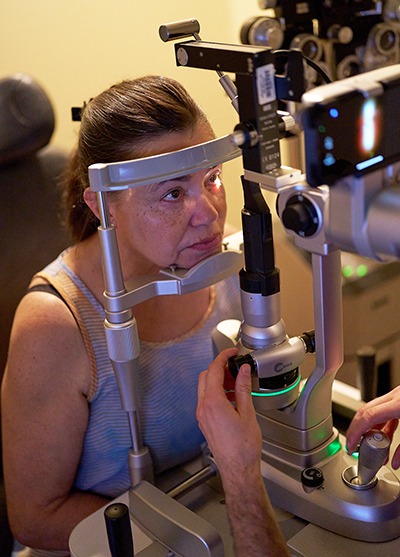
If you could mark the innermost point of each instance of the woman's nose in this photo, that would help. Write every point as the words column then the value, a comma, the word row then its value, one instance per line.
column 204, row 210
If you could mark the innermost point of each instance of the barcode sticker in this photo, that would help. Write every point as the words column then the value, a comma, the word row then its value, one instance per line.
column 266, row 83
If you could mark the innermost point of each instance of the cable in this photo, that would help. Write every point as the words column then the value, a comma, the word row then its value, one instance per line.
column 282, row 53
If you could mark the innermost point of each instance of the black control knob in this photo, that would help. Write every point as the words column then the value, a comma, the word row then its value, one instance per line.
column 300, row 215
column 312, row 477
column 234, row 364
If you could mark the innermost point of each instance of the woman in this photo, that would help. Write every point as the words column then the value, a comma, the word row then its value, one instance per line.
column 65, row 436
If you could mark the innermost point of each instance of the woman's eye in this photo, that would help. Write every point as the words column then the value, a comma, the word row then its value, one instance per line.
column 173, row 195
column 214, row 180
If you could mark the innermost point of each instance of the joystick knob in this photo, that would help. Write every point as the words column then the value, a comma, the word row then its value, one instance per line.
column 300, row 216
column 374, row 450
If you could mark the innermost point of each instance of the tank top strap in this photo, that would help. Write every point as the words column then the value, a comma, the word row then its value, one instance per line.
column 68, row 291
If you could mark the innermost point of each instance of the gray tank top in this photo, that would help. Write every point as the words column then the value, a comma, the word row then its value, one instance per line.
column 168, row 375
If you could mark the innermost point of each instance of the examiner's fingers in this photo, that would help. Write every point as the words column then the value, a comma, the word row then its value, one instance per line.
column 212, row 378
column 244, row 403
column 390, row 428
column 396, row 458
column 215, row 373
column 378, row 411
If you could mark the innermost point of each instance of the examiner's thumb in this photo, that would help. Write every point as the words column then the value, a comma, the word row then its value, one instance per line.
column 243, row 389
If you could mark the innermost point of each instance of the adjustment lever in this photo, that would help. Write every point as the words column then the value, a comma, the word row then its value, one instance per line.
column 374, row 450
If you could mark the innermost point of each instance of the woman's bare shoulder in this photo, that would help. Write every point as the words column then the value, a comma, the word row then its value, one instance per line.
column 45, row 340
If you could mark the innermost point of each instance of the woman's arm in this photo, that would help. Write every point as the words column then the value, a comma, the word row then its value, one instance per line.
column 44, row 419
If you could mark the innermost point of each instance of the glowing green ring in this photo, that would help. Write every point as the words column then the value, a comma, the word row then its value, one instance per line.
column 283, row 391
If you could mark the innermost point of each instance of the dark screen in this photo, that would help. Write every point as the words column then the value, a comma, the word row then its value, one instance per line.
column 353, row 135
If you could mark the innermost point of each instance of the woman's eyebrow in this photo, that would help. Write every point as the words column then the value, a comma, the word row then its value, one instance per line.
column 185, row 178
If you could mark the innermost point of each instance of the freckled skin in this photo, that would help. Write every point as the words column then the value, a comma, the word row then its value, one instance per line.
column 161, row 225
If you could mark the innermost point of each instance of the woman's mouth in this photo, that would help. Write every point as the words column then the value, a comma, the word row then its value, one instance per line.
column 212, row 243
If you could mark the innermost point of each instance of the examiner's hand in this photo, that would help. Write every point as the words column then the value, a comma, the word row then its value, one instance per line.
column 382, row 413
column 235, row 440
column 232, row 433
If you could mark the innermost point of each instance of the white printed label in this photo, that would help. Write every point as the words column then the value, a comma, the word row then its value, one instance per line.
column 266, row 83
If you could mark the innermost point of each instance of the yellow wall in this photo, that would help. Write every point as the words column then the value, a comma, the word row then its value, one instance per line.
column 77, row 48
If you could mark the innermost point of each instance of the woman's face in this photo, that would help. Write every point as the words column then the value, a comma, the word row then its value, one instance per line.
column 177, row 222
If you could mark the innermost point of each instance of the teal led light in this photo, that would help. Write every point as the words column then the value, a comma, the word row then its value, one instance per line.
column 281, row 392
column 328, row 142
column 369, row 162
column 329, row 159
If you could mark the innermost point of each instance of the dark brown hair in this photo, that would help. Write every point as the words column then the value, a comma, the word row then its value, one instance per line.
column 119, row 124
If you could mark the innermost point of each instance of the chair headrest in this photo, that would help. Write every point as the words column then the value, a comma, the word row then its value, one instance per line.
column 26, row 118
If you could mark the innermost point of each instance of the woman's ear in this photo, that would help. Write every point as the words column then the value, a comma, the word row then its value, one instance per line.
column 90, row 199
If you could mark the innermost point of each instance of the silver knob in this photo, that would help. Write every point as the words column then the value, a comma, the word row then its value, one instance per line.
column 374, row 450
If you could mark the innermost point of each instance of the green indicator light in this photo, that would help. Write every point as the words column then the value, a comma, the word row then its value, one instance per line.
column 281, row 392
column 362, row 270
column 334, row 447
column 322, row 128
column 354, row 455
column 347, row 271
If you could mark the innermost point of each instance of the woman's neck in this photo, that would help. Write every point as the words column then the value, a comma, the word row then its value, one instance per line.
column 167, row 318
column 159, row 319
